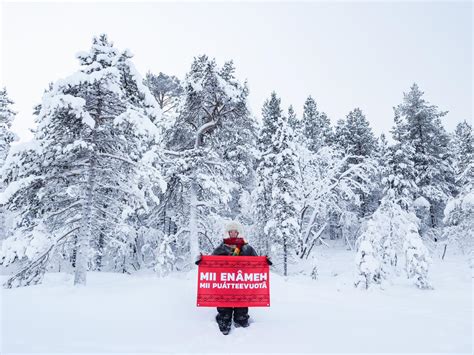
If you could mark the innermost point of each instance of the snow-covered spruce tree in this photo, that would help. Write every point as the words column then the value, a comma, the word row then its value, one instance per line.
column 166, row 256
column 459, row 211
column 285, row 199
column 208, row 156
column 417, row 258
column 399, row 174
column 373, row 248
column 271, row 115
column 316, row 126
column 74, row 188
column 462, row 148
column 404, row 238
column 418, row 123
column 368, row 265
column 459, row 215
column 392, row 231
column 7, row 115
column 355, row 137
column 390, row 234
column 382, row 147
column 379, row 157
column 295, row 123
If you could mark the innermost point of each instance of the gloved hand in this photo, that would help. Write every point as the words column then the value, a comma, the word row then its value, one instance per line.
column 198, row 259
column 269, row 262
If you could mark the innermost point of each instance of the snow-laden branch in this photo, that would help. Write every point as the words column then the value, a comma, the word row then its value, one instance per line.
column 15, row 186
column 29, row 270
column 202, row 130
column 76, row 204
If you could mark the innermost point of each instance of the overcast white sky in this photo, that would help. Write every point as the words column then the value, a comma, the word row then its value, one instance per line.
column 345, row 54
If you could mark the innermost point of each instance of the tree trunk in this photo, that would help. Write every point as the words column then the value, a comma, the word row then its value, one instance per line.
column 3, row 229
column 100, row 250
column 193, row 222
column 444, row 251
column 432, row 215
column 74, row 252
column 84, row 238
column 193, row 197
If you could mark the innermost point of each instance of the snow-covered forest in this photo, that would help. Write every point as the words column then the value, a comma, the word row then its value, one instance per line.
column 128, row 172
column 136, row 174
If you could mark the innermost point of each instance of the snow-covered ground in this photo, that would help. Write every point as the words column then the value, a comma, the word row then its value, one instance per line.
column 144, row 313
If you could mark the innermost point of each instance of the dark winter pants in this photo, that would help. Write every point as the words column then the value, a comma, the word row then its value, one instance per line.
column 241, row 314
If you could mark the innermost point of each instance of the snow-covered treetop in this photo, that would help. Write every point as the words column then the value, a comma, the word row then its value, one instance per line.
column 213, row 99
column 102, row 55
column 293, row 120
column 271, row 114
column 7, row 116
column 206, row 78
column 6, row 113
column 418, row 121
column 166, row 89
column 354, row 134
column 107, row 70
column 463, row 142
column 316, row 126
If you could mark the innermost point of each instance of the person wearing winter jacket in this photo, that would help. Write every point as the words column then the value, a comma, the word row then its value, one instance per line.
column 233, row 244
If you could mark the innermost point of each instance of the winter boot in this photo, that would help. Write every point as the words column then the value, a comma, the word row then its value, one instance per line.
column 241, row 317
column 224, row 324
column 244, row 323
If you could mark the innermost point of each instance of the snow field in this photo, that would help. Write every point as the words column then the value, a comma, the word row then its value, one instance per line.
column 144, row 313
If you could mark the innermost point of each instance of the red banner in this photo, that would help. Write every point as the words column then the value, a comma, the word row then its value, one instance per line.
column 233, row 281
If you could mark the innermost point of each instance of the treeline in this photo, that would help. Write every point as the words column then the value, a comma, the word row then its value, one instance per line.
column 125, row 173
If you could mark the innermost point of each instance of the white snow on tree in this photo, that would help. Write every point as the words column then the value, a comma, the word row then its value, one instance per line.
column 459, row 211
column 315, row 125
column 391, row 235
column 330, row 185
column 209, row 159
column 418, row 124
column 368, row 265
column 355, row 138
column 417, row 258
column 422, row 210
column 126, row 173
column 81, row 178
column 271, row 114
column 166, row 257
column 167, row 91
column 354, row 135
column 392, row 232
column 283, row 224
column 7, row 137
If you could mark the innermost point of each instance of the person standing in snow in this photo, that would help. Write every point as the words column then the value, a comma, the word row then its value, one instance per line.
column 233, row 244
